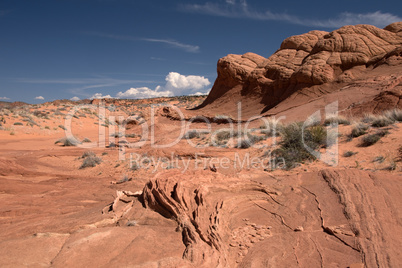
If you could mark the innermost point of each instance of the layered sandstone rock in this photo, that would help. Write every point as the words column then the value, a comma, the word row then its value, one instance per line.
column 306, row 60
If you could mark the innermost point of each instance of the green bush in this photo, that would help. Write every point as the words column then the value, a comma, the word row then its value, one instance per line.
column 18, row 124
column 292, row 149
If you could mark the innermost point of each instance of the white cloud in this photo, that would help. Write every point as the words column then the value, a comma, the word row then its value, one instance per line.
column 143, row 93
column 240, row 9
column 377, row 18
column 100, row 96
column 75, row 98
column 171, row 42
column 39, row 98
column 200, row 93
column 4, row 98
column 179, row 83
column 176, row 85
column 176, row 44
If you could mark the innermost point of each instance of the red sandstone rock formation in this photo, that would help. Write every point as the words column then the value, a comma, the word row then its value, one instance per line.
column 315, row 63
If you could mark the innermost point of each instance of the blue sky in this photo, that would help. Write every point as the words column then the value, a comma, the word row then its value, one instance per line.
column 133, row 49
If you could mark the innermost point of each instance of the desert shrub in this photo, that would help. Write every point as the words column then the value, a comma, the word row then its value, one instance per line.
column 132, row 135
column 292, row 149
column 223, row 135
column 358, row 130
column 86, row 140
column 191, row 134
column 220, row 118
column 368, row 118
column 40, row 114
column 394, row 115
column 30, row 121
column 379, row 159
column 47, row 127
column 72, row 141
column 62, row 127
column 91, row 161
column 88, row 153
column 349, row 154
column 316, row 136
column 244, row 143
column 371, row 139
column 134, row 166
column 18, row 124
column 391, row 166
column 271, row 127
column 381, row 121
column 341, row 120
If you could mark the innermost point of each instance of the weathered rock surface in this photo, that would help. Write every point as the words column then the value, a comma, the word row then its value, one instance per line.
column 306, row 62
column 328, row 218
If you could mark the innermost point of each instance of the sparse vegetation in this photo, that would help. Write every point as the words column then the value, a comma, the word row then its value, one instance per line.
column 18, row 124
column 391, row 166
column 220, row 118
column 349, row 153
column 72, row 141
column 358, row 130
column 133, row 135
column 87, row 154
column 371, row 139
column 341, row 120
column 86, row 140
column 134, row 166
column 368, row 118
column 271, row 127
column 191, row 134
column 379, row 159
column 62, row 127
column 292, row 148
column 381, row 121
column 90, row 160
column 394, row 115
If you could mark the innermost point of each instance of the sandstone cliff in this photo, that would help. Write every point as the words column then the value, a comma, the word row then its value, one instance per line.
column 315, row 63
